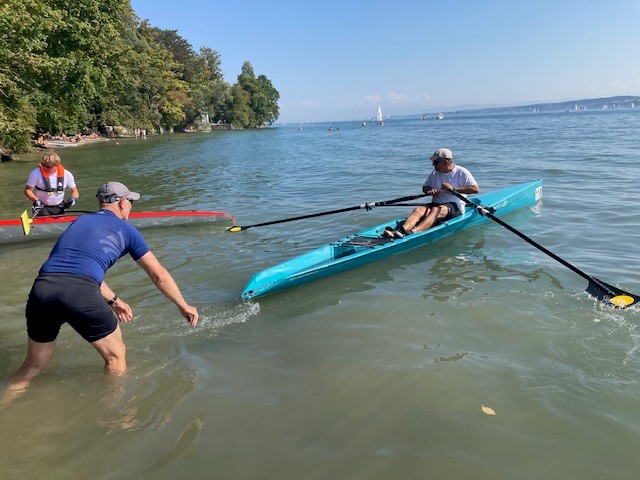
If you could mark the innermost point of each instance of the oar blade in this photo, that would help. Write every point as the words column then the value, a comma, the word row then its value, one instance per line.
column 26, row 223
column 236, row 228
column 609, row 294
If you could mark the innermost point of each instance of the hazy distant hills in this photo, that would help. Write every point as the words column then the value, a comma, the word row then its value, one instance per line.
column 627, row 101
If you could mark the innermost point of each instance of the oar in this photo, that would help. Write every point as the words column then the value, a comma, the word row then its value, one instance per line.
column 599, row 289
column 404, row 204
column 26, row 221
column 368, row 206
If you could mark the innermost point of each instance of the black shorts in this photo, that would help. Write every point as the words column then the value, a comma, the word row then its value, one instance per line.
column 52, row 210
column 453, row 211
column 58, row 298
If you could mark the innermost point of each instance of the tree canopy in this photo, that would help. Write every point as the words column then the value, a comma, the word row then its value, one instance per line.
column 71, row 65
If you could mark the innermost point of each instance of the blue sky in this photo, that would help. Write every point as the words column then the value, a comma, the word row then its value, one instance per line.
column 339, row 60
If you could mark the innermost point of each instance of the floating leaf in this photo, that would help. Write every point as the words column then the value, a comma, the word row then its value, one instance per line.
column 488, row 410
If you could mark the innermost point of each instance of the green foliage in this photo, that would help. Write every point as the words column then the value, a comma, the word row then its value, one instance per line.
column 257, row 95
column 239, row 110
column 66, row 65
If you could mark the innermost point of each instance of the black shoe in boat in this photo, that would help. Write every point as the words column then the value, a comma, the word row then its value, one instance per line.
column 389, row 232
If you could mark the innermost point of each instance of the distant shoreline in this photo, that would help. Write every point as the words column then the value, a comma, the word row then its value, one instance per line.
column 606, row 103
column 69, row 143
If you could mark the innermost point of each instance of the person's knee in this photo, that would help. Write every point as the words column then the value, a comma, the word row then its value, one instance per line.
column 420, row 211
column 113, row 351
column 115, row 359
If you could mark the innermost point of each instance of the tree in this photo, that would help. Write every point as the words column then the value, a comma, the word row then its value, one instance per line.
column 212, row 63
column 263, row 97
column 25, row 25
column 66, row 65
column 239, row 111
column 266, row 108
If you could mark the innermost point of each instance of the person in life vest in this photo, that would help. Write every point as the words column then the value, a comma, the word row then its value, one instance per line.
column 46, row 185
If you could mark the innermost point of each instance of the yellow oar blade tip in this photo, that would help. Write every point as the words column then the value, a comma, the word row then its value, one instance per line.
column 235, row 228
column 622, row 300
column 26, row 223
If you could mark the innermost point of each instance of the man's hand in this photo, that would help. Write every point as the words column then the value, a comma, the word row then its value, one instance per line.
column 37, row 206
column 122, row 310
column 190, row 314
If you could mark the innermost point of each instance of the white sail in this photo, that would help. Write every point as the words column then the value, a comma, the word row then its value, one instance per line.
column 379, row 117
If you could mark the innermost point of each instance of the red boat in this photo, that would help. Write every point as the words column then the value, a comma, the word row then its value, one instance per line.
column 52, row 226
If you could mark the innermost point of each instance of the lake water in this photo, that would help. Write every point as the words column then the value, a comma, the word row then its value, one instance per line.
column 377, row 373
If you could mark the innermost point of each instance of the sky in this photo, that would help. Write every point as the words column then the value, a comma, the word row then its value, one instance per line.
column 338, row 60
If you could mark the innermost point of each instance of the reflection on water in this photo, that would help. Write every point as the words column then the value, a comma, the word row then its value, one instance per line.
column 179, row 449
column 146, row 402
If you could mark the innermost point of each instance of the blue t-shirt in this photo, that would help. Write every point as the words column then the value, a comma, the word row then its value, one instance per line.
column 92, row 244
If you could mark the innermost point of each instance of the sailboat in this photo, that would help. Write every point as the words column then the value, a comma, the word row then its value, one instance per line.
column 379, row 116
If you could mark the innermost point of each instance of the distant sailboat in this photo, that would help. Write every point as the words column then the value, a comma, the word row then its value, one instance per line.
column 440, row 116
column 379, row 116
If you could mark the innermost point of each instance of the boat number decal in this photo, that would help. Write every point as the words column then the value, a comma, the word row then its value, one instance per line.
column 538, row 193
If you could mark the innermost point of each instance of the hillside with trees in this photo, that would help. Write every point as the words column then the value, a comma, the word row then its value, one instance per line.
column 69, row 66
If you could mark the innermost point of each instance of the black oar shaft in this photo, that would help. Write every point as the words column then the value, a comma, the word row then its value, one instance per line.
column 527, row 239
column 598, row 288
column 368, row 206
column 538, row 246
column 301, row 217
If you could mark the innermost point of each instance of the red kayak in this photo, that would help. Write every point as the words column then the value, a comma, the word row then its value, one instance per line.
column 53, row 225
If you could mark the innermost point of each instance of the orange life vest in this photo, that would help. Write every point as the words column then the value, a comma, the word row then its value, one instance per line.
column 46, row 176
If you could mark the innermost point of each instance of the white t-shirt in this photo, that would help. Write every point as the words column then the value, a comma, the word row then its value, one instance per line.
column 458, row 177
column 35, row 180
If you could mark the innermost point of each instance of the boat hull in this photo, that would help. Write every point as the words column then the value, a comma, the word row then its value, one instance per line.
column 53, row 226
column 369, row 245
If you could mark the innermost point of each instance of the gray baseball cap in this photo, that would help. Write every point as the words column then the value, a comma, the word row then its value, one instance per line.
column 442, row 153
column 113, row 191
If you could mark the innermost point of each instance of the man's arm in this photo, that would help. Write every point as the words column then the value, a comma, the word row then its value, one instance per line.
column 467, row 189
column 163, row 280
column 120, row 307
column 28, row 192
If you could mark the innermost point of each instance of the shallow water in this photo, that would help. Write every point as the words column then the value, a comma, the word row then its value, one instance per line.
column 378, row 372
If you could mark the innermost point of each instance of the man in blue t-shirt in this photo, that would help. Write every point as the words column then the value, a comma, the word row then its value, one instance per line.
column 70, row 287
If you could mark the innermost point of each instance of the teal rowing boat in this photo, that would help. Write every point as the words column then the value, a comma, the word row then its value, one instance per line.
column 370, row 245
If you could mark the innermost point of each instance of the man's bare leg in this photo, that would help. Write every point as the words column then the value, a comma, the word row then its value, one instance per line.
column 430, row 218
column 413, row 219
column 113, row 351
column 37, row 359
